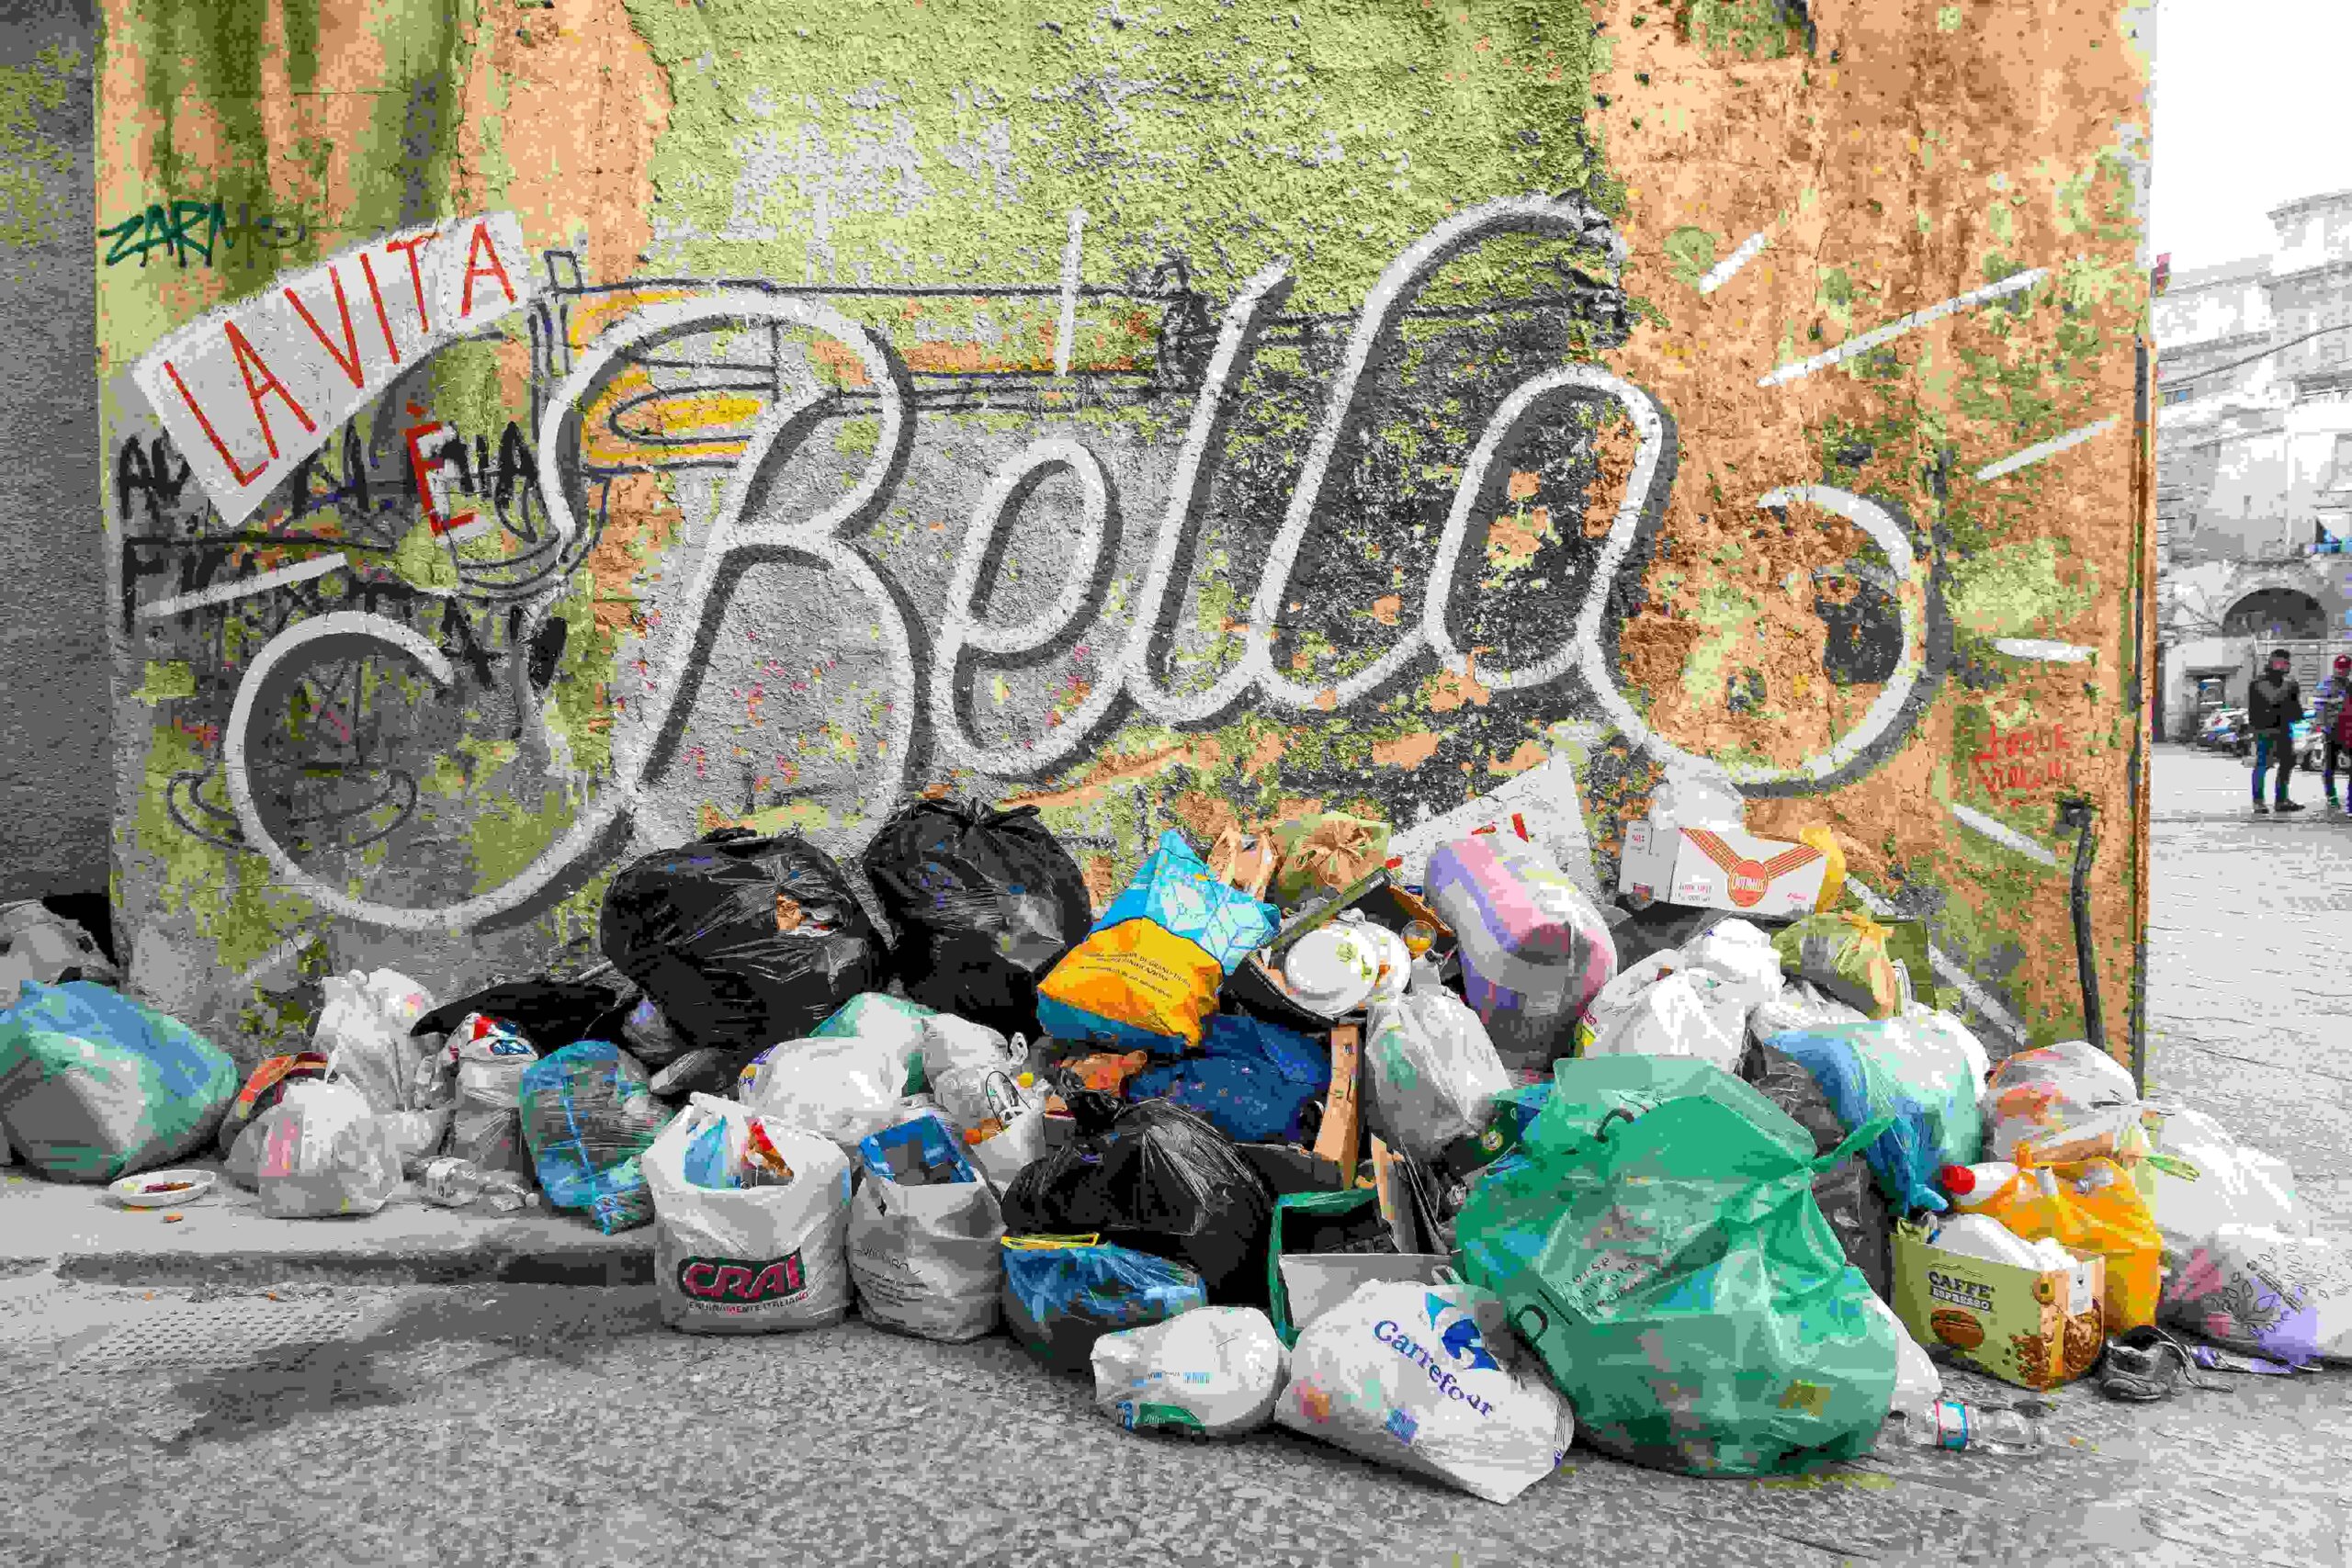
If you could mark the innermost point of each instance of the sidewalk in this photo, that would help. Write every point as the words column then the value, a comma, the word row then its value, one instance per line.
column 223, row 1236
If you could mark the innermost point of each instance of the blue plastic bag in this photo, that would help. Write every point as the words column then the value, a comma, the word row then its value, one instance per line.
column 1253, row 1080
column 1916, row 1069
column 93, row 1085
column 588, row 1114
column 1062, row 1293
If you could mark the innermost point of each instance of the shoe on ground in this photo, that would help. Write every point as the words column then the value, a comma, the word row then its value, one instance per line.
column 2260, row 809
column 2289, row 805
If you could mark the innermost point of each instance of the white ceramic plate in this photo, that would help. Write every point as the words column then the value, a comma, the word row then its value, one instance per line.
column 133, row 1190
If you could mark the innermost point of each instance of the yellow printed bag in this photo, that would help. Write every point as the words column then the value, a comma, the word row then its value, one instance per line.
column 1149, row 972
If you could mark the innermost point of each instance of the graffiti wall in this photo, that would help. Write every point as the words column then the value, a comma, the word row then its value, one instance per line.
column 560, row 431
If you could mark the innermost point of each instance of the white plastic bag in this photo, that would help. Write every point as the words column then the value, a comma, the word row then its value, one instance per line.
column 2288, row 1297
column 1801, row 1005
column 927, row 1259
column 1428, row 1378
column 889, row 1020
column 1431, row 1072
column 754, row 1260
column 1213, row 1371
column 1020, row 1144
column 841, row 1089
column 321, row 1151
column 2235, row 1185
column 363, row 1031
column 1670, row 1010
column 1692, row 798
column 1744, row 959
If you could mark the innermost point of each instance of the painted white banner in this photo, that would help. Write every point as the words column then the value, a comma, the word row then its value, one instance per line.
column 252, row 389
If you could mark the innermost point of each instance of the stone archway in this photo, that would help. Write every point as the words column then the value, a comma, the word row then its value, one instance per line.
column 2275, row 611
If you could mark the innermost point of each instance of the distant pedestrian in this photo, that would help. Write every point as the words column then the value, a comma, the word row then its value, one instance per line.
column 2333, row 713
column 2274, row 702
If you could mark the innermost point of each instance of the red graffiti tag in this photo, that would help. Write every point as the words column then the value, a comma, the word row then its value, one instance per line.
column 2017, row 761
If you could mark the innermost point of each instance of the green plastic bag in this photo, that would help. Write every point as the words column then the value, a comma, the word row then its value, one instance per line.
column 94, row 1086
column 1656, row 1240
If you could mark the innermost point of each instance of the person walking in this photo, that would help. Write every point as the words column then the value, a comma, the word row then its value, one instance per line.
column 2329, row 713
column 2274, row 702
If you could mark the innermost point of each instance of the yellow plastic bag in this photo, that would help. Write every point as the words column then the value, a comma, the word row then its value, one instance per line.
column 1135, row 983
column 2091, row 1206
column 1845, row 955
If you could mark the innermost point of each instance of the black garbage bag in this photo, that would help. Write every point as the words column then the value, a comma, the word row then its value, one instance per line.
column 741, row 941
column 985, row 902
column 1158, row 1179
column 1789, row 1084
column 1849, row 1199
column 549, row 1012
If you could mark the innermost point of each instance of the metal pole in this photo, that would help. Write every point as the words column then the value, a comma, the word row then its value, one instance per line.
column 2075, row 812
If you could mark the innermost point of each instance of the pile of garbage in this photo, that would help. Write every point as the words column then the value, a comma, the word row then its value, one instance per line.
column 1446, row 1174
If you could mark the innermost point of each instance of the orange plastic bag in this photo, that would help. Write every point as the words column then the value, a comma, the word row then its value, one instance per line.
column 2091, row 1206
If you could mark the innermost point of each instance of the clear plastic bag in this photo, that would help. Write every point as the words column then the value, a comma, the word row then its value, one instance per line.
column 2054, row 1095
column 1431, row 1072
column 588, row 1114
column 321, row 1151
column 839, row 1089
column 1062, row 1293
column 364, row 1032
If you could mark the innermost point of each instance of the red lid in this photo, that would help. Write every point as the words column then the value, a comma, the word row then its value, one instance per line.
column 1958, row 1179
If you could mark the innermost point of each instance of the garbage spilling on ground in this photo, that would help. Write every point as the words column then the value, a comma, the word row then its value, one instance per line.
column 1449, row 1174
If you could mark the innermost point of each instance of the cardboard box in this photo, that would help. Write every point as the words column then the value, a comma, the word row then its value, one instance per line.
column 1719, row 868
column 1342, row 1138
column 2036, row 1330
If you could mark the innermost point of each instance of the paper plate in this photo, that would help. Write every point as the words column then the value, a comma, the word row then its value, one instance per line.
column 1332, row 971
column 136, row 1191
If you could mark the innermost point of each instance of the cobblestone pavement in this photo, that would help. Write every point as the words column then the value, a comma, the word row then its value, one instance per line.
column 529, row 1425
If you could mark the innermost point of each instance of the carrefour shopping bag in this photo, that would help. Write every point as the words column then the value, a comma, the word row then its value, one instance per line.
column 1656, row 1240
column 1428, row 1378
column 1148, row 971
column 756, row 1255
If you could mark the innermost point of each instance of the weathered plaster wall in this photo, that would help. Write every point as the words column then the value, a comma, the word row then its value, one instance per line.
column 54, row 707
column 1171, row 415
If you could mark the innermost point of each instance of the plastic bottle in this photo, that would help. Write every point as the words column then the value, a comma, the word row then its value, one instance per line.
column 1969, row 1427
column 1974, row 1235
column 1003, row 1097
column 1972, row 1186
column 450, row 1181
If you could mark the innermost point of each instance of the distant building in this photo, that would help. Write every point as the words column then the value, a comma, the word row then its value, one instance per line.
column 2254, row 462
